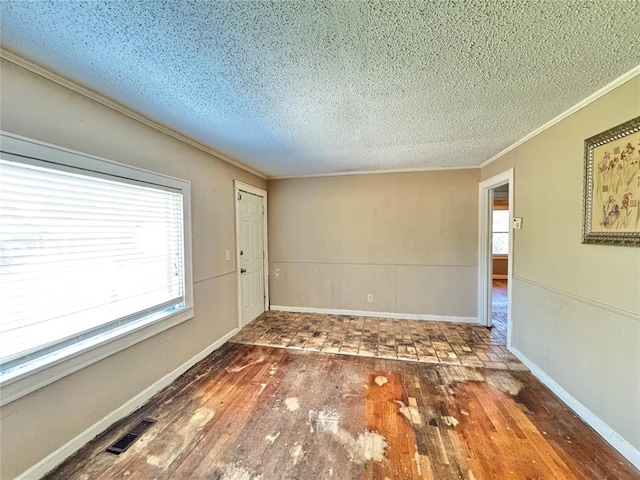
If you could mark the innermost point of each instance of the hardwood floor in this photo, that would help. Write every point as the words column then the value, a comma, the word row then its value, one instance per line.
column 249, row 412
column 499, row 303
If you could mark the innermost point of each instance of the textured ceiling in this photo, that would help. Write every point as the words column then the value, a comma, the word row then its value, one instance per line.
column 308, row 87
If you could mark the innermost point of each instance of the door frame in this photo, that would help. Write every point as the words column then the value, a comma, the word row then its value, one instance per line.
column 485, row 258
column 245, row 187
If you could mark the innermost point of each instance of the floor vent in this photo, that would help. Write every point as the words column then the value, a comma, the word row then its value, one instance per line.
column 124, row 442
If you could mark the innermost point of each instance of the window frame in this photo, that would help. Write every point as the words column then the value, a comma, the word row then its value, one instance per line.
column 493, row 210
column 39, row 372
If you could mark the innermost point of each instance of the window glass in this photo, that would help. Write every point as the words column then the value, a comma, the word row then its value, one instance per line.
column 82, row 253
column 500, row 236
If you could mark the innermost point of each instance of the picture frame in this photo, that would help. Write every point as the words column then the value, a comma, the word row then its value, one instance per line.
column 611, row 213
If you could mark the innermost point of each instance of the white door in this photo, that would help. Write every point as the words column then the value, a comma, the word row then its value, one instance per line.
column 251, row 258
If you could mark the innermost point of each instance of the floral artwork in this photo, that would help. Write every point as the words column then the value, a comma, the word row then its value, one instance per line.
column 612, row 186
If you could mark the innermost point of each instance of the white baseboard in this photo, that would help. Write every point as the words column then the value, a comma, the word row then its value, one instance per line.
column 61, row 454
column 500, row 277
column 366, row 313
column 612, row 437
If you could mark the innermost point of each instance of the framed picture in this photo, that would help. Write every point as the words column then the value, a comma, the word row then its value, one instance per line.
column 612, row 186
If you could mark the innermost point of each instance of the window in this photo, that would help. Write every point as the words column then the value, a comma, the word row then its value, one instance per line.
column 87, row 254
column 500, row 233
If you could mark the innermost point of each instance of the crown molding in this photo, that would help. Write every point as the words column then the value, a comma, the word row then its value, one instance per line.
column 376, row 172
column 590, row 99
column 54, row 77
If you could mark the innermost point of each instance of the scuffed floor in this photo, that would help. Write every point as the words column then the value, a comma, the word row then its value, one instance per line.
column 499, row 305
column 250, row 413
column 417, row 340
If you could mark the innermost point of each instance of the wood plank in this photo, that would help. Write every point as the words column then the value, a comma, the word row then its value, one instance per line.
column 249, row 412
column 209, row 452
column 389, row 423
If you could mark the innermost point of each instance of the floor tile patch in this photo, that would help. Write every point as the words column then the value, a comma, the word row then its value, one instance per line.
column 414, row 340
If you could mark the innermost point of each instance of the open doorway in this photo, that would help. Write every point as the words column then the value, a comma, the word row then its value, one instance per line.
column 500, row 226
column 496, row 256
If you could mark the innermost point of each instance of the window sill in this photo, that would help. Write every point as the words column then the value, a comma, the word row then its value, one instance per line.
column 40, row 372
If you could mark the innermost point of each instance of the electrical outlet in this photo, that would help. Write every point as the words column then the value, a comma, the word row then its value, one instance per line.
column 370, row 298
column 227, row 255
column 276, row 273
column 517, row 223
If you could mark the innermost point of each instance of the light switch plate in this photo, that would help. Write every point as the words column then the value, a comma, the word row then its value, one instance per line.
column 227, row 255
column 517, row 223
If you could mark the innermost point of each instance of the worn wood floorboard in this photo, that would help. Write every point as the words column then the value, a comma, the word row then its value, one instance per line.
column 249, row 412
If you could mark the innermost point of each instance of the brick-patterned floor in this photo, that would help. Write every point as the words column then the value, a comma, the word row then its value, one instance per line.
column 416, row 340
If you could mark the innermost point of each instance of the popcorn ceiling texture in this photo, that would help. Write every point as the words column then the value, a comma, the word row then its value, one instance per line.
column 302, row 87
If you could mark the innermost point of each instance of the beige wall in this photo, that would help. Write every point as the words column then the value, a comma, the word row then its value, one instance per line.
column 408, row 238
column 411, row 239
column 39, row 423
column 576, row 308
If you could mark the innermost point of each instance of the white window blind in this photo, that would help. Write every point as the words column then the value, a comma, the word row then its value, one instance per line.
column 81, row 254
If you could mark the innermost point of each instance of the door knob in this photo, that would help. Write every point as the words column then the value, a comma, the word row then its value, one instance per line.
column 243, row 270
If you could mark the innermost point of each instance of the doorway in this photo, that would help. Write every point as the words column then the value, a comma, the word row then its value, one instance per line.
column 501, row 225
column 496, row 255
column 251, row 252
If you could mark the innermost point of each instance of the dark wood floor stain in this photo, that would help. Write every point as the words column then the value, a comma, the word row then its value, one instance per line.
column 250, row 412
